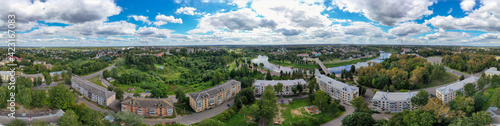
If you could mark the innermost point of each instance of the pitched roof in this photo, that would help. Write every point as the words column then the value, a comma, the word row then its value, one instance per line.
column 337, row 84
column 149, row 103
column 492, row 70
column 456, row 86
column 393, row 96
column 214, row 90
column 275, row 82
column 93, row 88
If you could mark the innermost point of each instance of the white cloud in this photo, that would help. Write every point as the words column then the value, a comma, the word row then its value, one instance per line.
column 243, row 19
column 292, row 14
column 485, row 18
column 387, row 12
column 162, row 19
column 186, row 10
column 409, row 29
column 240, row 3
column 451, row 10
column 153, row 32
column 140, row 18
column 444, row 36
column 467, row 5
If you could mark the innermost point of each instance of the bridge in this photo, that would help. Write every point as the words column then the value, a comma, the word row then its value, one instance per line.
column 325, row 70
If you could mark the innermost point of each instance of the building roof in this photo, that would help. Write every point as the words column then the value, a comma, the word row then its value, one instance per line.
column 214, row 90
column 93, row 88
column 337, row 84
column 275, row 82
column 149, row 103
column 33, row 75
column 5, row 72
column 393, row 96
column 493, row 70
column 58, row 72
column 456, row 86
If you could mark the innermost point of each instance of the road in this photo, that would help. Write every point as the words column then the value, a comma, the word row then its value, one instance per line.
column 98, row 72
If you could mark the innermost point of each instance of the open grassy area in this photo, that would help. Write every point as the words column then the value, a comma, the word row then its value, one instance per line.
column 448, row 78
column 328, row 65
column 299, row 103
column 172, row 72
column 487, row 93
column 96, row 80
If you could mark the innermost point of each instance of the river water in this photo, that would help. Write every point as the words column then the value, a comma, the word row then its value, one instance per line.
column 277, row 68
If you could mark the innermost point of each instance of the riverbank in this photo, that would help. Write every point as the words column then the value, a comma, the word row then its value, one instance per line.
column 316, row 66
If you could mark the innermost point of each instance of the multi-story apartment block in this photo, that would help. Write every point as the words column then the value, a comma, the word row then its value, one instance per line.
column 92, row 91
column 214, row 96
column 260, row 85
column 393, row 101
column 147, row 107
column 448, row 92
column 337, row 89
column 6, row 75
column 492, row 71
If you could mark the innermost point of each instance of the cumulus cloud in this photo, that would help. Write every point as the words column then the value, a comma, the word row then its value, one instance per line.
column 153, row 32
column 363, row 29
column 387, row 12
column 445, row 36
column 409, row 29
column 186, row 10
column 140, row 18
column 485, row 18
column 243, row 19
column 162, row 19
column 467, row 5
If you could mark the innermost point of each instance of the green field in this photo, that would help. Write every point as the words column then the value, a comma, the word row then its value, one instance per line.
column 449, row 78
column 96, row 80
column 487, row 92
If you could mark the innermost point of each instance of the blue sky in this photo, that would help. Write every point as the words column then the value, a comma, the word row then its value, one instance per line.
column 245, row 22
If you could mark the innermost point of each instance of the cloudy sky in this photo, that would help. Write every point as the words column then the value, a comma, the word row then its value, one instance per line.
column 244, row 22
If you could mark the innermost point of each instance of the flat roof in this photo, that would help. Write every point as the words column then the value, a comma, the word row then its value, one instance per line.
column 492, row 70
column 275, row 82
column 337, row 84
column 457, row 85
column 393, row 96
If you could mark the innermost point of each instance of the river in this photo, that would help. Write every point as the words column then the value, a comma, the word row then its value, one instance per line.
column 277, row 68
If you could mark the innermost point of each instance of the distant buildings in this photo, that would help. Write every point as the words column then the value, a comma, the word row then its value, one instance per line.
column 214, row 96
column 34, row 76
column 303, row 55
column 6, row 75
column 337, row 89
column 492, row 71
column 147, row 107
column 39, row 62
column 260, row 85
column 393, row 101
column 316, row 53
column 92, row 91
column 449, row 92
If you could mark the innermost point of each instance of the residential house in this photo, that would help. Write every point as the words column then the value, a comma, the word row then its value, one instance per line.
column 148, row 107
column 215, row 96
column 492, row 71
column 449, row 92
column 260, row 85
column 393, row 101
column 92, row 91
column 336, row 89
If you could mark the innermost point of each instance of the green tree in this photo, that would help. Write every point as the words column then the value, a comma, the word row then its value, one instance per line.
column 25, row 97
column 362, row 90
column 300, row 88
column 91, row 117
column 114, row 72
column 119, row 93
column 465, row 104
column 360, row 105
column 268, row 75
column 312, row 86
column 353, row 69
column 267, row 105
column 4, row 95
column 421, row 98
column 39, row 98
column 69, row 118
column 496, row 98
column 358, row 119
column 128, row 118
column 60, row 97
column 469, row 89
column 17, row 122
column 321, row 99
column 180, row 95
column 279, row 88
column 462, row 77
column 40, row 123
column 105, row 74
column 211, row 122
column 48, row 80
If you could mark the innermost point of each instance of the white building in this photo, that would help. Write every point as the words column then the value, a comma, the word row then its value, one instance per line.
column 92, row 91
column 260, row 85
column 337, row 89
column 492, row 71
column 448, row 92
column 393, row 101
column 6, row 75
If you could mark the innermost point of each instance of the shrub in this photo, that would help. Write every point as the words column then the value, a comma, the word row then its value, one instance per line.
column 403, row 90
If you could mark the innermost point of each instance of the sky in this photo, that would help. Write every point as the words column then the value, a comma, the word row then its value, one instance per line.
column 259, row 22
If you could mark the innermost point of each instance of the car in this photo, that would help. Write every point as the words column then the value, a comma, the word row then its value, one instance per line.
column 228, row 105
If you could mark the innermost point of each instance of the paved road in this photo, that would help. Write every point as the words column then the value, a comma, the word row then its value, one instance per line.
column 98, row 72
column 195, row 117
column 338, row 121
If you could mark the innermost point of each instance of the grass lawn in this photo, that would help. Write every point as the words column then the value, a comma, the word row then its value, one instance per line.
column 96, row 80
column 487, row 92
column 350, row 82
column 449, row 78
column 328, row 65
column 173, row 72
column 304, row 102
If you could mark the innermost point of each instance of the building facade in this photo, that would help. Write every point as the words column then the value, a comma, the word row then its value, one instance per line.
column 393, row 101
column 95, row 93
column 492, row 71
column 148, row 107
column 34, row 76
column 214, row 96
column 336, row 89
column 6, row 75
column 288, row 85
column 449, row 92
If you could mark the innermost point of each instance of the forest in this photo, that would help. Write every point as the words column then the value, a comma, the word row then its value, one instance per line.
column 469, row 62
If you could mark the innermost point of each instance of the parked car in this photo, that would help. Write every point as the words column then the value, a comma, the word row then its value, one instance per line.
column 228, row 105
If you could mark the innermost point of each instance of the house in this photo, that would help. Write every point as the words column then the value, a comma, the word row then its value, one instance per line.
column 492, row 71
column 95, row 93
column 16, row 58
column 215, row 96
column 110, row 79
column 393, row 101
column 6, row 75
column 49, row 66
column 303, row 55
column 337, row 89
column 39, row 62
column 131, row 89
column 151, row 107
column 260, row 85
column 316, row 53
column 449, row 92
column 59, row 73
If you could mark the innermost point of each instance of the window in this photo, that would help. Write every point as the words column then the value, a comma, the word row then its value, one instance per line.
column 212, row 101
column 139, row 111
column 124, row 108
column 170, row 111
column 198, row 105
column 220, row 99
column 151, row 111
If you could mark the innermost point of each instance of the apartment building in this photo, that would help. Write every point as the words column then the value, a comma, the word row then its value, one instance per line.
column 260, row 85
column 147, row 107
column 336, row 89
column 214, row 96
column 492, row 71
column 92, row 91
column 393, row 101
column 448, row 92
column 6, row 75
